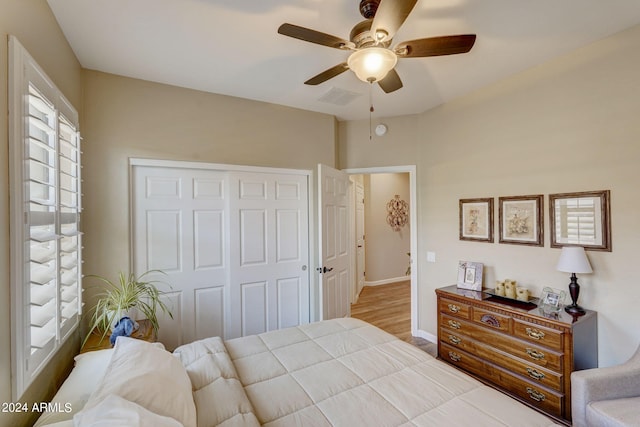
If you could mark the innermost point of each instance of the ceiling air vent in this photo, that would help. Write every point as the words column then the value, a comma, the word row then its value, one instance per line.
column 339, row 96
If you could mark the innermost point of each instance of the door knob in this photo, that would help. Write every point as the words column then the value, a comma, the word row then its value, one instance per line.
column 323, row 269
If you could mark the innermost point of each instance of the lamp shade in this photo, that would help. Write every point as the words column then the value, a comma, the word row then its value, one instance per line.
column 573, row 259
column 372, row 64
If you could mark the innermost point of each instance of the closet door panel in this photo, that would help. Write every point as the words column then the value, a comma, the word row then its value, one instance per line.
column 180, row 228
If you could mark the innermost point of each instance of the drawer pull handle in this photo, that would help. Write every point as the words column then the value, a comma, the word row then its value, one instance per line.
column 535, row 374
column 454, row 324
column 454, row 340
column 454, row 308
column 454, row 356
column 535, row 334
column 535, row 395
column 535, row 354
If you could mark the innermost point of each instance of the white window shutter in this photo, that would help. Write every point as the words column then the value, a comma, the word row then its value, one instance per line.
column 45, row 216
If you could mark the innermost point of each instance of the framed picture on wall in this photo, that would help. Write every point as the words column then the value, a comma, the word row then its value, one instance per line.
column 476, row 219
column 520, row 220
column 581, row 219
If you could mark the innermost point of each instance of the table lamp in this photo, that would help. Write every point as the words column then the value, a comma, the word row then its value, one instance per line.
column 573, row 259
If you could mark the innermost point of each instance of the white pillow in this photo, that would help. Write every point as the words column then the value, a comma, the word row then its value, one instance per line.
column 116, row 411
column 75, row 391
column 149, row 376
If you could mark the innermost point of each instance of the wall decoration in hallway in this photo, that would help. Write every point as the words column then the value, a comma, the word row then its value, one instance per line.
column 397, row 213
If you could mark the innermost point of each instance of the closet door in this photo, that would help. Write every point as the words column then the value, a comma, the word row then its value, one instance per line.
column 269, row 252
column 180, row 227
column 234, row 245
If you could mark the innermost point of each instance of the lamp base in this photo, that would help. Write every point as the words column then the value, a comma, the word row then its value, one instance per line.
column 574, row 290
column 574, row 310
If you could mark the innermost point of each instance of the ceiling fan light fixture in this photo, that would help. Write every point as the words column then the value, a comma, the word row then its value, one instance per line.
column 372, row 64
column 381, row 35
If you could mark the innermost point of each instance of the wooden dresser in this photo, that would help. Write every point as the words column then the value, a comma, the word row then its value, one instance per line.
column 515, row 348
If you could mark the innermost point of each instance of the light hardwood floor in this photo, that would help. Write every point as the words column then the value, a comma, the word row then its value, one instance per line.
column 389, row 308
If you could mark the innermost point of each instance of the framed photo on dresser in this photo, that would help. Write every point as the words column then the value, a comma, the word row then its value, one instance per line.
column 470, row 275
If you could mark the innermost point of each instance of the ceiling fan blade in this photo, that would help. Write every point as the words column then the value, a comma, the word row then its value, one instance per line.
column 389, row 17
column 391, row 82
column 313, row 36
column 327, row 74
column 436, row 46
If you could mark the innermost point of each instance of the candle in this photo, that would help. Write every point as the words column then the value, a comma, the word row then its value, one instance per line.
column 522, row 293
column 499, row 288
column 510, row 289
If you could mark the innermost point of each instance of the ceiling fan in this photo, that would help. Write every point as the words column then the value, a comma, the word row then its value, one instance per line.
column 372, row 60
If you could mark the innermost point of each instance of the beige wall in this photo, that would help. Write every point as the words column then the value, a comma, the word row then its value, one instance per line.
column 397, row 147
column 134, row 118
column 385, row 249
column 33, row 24
column 568, row 125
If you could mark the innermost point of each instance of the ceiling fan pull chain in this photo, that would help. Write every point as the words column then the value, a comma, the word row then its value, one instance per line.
column 370, row 107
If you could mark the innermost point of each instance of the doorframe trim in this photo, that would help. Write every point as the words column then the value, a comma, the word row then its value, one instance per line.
column 413, row 224
column 187, row 164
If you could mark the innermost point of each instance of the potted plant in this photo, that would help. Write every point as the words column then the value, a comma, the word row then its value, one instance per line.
column 118, row 300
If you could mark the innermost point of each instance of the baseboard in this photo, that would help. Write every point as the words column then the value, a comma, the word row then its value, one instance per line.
column 427, row 336
column 387, row 281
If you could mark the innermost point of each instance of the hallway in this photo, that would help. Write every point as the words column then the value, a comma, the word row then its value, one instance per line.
column 389, row 308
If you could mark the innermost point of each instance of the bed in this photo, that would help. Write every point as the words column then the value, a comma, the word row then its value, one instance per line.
column 340, row 372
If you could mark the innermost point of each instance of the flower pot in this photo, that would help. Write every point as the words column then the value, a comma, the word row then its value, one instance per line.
column 131, row 313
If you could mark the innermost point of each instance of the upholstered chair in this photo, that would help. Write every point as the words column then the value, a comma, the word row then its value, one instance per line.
column 607, row 397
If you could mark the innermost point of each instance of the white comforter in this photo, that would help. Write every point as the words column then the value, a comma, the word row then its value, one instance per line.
column 341, row 372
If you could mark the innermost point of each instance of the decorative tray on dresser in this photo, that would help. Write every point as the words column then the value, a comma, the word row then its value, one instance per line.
column 516, row 348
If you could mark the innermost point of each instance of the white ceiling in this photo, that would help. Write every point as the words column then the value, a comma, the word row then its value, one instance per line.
column 231, row 47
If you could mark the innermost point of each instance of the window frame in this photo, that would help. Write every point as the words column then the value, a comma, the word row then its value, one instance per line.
column 64, row 247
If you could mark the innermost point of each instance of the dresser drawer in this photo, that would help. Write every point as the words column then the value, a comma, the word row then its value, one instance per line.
column 539, row 335
column 454, row 324
column 535, row 395
column 536, row 374
column 492, row 320
column 529, row 352
column 544, row 399
column 453, row 308
column 530, row 371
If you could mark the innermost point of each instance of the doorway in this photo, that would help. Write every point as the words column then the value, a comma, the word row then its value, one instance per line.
column 412, row 231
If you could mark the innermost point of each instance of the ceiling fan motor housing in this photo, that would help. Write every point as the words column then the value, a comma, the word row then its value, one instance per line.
column 361, row 36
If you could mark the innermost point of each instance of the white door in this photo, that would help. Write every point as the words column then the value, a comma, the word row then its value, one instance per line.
column 269, row 252
column 180, row 227
column 234, row 246
column 333, row 187
column 360, row 242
